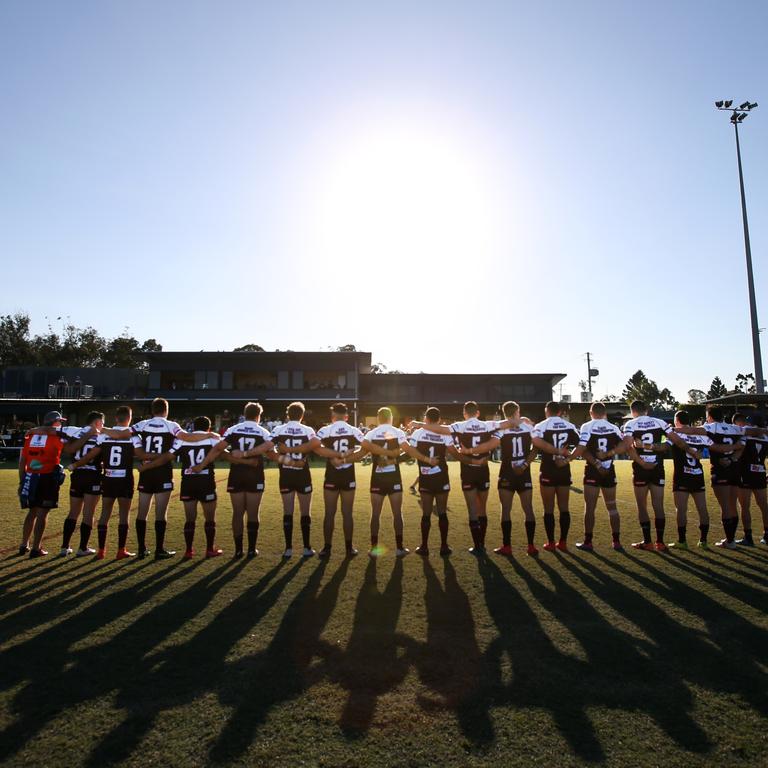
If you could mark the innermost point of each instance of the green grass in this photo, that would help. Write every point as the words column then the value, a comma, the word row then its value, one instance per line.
column 615, row 659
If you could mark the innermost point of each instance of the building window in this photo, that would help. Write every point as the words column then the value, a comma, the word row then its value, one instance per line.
column 251, row 380
column 325, row 380
column 174, row 380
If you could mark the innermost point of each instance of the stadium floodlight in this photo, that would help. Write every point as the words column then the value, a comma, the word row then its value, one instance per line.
column 737, row 117
column 719, row 104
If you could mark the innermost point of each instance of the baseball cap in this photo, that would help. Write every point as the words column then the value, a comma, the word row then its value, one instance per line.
column 51, row 417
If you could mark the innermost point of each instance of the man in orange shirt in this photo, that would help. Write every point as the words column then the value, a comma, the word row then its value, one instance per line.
column 41, row 474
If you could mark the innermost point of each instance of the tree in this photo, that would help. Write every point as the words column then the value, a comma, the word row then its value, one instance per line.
column 746, row 383
column 250, row 348
column 15, row 347
column 716, row 389
column 696, row 396
column 640, row 387
column 347, row 348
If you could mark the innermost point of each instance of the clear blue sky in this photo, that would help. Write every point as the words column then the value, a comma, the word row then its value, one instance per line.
column 454, row 186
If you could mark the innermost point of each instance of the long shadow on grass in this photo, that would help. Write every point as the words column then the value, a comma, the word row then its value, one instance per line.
column 741, row 644
column 256, row 684
column 57, row 678
column 542, row 676
column 377, row 657
column 195, row 667
column 450, row 663
column 623, row 671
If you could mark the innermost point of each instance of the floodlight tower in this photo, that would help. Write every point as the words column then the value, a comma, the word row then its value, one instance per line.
column 738, row 114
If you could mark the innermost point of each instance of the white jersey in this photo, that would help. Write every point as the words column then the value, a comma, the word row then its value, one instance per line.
column 649, row 430
column 246, row 435
column 156, row 434
column 473, row 431
column 293, row 434
column 388, row 437
column 600, row 435
column 342, row 437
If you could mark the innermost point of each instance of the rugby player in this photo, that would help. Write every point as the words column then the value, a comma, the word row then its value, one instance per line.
column 688, row 481
column 84, row 490
column 41, row 475
column 429, row 448
column 514, row 437
column 341, row 446
column 752, row 477
column 599, row 436
column 245, row 483
column 553, row 437
column 475, row 475
column 293, row 441
column 386, row 442
column 117, row 449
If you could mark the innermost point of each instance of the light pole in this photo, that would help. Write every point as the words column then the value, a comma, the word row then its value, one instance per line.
column 738, row 114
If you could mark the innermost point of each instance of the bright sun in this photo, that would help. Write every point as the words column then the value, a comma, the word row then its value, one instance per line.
column 405, row 197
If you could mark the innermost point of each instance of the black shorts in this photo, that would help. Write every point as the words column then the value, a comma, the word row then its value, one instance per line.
column 198, row 489
column 642, row 478
column 117, row 487
column 340, row 479
column 385, row 483
column 434, row 484
column 157, row 480
column 753, row 480
column 243, row 479
column 40, row 490
column 85, row 482
column 298, row 480
column 729, row 475
column 509, row 481
column 552, row 476
column 597, row 480
column 685, row 483
column 475, row 478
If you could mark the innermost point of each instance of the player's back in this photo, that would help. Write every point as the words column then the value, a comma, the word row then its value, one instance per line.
column 649, row 431
column 339, row 436
column 117, row 453
column 557, row 431
column 430, row 444
column 599, row 435
column 388, row 437
column 293, row 434
column 473, row 431
column 156, row 434
column 191, row 454
column 515, row 443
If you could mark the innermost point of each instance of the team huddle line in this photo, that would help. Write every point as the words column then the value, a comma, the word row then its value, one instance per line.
column 103, row 462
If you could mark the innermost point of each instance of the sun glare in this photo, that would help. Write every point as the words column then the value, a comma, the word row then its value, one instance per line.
column 405, row 197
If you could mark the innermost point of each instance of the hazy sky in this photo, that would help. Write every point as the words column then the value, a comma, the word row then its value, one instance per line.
column 473, row 186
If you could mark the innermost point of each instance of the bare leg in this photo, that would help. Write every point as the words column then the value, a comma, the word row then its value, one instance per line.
column 41, row 518
column 609, row 497
column 26, row 529
column 591, row 495
column 377, row 502
column 238, row 511
column 348, row 521
column 548, row 502
column 331, row 500
column 700, row 500
column 396, row 502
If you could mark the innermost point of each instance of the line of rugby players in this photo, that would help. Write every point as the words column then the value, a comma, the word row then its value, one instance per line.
column 103, row 459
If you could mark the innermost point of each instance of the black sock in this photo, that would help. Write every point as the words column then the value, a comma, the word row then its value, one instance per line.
column 587, row 537
column 348, row 545
column 646, row 528
column 252, row 526
column 747, row 533
column 681, row 533
column 69, row 529
column 288, row 531
column 661, row 523
column 615, row 535
column 565, row 525
column 549, row 525
column 85, row 535
column 399, row 541
column 483, row 528
column 506, row 532
column 102, row 532
column 442, row 524
column 730, row 524
column 238, row 544
column 160, row 527
column 474, row 529
column 189, row 535
column 530, row 530
column 306, row 522
column 426, row 524
column 141, row 535
column 122, row 535
column 210, row 533
column 704, row 528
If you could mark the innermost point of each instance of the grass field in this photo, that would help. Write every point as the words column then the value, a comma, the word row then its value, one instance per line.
column 618, row 659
